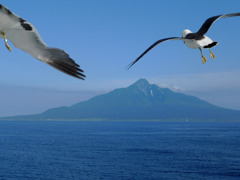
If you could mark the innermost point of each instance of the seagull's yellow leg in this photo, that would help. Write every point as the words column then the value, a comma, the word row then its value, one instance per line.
column 5, row 39
column 204, row 59
column 212, row 55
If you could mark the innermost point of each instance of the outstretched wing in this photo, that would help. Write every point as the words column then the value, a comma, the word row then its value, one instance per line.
column 152, row 46
column 24, row 36
column 207, row 24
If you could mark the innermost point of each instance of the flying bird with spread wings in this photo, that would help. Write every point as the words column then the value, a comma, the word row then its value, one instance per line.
column 196, row 40
column 25, row 36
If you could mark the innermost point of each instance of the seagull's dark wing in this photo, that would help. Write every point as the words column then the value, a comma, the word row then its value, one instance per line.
column 152, row 46
column 207, row 24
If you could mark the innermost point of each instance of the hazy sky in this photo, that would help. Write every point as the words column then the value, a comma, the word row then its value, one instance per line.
column 104, row 36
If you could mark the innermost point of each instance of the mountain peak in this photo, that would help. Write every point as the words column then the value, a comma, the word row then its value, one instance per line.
column 141, row 83
column 142, row 87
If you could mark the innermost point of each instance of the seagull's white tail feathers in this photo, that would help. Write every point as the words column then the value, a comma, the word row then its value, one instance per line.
column 60, row 60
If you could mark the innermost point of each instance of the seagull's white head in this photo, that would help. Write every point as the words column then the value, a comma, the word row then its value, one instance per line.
column 186, row 32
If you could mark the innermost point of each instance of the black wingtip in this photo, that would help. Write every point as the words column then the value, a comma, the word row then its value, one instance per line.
column 152, row 46
column 131, row 64
column 60, row 60
column 71, row 70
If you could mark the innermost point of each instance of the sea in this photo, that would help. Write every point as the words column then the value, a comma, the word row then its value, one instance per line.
column 110, row 150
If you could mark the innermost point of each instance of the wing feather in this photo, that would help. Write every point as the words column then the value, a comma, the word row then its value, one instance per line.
column 207, row 24
column 152, row 46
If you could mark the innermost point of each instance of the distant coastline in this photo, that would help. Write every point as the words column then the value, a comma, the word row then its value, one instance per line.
column 122, row 120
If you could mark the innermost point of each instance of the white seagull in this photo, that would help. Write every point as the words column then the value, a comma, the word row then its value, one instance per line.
column 196, row 40
column 25, row 36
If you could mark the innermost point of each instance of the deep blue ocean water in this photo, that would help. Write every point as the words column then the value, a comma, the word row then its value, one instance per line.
column 119, row 150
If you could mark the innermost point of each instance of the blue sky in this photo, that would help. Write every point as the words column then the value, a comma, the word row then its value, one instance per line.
column 104, row 36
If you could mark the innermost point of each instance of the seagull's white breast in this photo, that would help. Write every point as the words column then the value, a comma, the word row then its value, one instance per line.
column 191, row 43
column 5, row 22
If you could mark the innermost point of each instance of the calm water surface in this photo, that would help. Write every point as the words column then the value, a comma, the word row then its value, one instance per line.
column 119, row 150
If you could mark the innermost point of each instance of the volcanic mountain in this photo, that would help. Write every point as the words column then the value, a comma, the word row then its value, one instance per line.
column 142, row 101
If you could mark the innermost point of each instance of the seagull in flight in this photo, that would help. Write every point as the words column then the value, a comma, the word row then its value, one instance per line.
column 196, row 40
column 25, row 36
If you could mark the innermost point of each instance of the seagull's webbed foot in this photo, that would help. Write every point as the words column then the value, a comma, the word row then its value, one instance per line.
column 5, row 39
column 204, row 59
column 212, row 55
